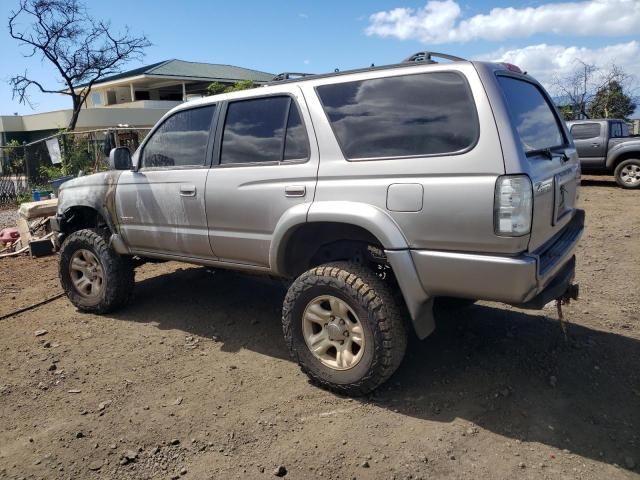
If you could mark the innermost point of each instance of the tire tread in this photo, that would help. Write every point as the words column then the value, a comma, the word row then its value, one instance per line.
column 378, row 299
column 118, row 269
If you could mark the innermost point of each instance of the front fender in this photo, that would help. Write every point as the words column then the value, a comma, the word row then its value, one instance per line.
column 93, row 191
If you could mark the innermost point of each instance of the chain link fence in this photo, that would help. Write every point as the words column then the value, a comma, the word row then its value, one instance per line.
column 36, row 166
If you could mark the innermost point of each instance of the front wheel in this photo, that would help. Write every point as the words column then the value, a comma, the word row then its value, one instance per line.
column 95, row 278
column 344, row 328
column 627, row 173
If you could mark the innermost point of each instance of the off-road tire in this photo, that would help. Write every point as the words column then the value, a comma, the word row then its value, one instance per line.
column 378, row 311
column 118, row 271
column 617, row 173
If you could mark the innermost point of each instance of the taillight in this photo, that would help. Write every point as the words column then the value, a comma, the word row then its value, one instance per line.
column 511, row 67
column 513, row 205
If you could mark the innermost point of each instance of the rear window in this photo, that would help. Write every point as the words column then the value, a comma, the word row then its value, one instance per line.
column 263, row 130
column 404, row 116
column 585, row 130
column 531, row 114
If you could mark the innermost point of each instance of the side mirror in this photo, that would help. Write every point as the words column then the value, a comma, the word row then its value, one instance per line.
column 120, row 159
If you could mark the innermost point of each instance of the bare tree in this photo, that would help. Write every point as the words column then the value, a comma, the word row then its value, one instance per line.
column 577, row 88
column 587, row 83
column 83, row 50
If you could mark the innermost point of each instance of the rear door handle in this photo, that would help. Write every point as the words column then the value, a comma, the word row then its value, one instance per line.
column 188, row 190
column 295, row 191
column 595, row 144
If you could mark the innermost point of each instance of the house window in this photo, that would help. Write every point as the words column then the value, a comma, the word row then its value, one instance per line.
column 142, row 95
column 96, row 99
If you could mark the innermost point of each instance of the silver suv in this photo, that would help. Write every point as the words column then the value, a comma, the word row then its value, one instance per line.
column 374, row 192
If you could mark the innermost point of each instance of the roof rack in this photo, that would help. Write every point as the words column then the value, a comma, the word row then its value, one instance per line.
column 416, row 59
column 290, row 76
column 427, row 57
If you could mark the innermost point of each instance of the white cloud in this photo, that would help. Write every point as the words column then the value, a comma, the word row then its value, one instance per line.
column 440, row 21
column 544, row 62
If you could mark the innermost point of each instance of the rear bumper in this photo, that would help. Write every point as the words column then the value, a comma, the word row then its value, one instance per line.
column 513, row 280
column 557, row 287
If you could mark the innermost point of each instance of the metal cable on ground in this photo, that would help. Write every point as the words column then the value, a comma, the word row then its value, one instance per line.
column 30, row 307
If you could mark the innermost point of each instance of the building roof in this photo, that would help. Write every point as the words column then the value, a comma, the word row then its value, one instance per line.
column 181, row 69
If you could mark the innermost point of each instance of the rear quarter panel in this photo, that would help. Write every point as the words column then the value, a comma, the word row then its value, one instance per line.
column 458, row 189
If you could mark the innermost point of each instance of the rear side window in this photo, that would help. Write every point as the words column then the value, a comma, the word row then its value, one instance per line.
column 585, row 130
column 616, row 130
column 263, row 130
column 295, row 143
column 625, row 130
column 531, row 114
column 181, row 140
column 404, row 116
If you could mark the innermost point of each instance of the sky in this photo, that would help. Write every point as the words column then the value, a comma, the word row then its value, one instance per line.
column 545, row 38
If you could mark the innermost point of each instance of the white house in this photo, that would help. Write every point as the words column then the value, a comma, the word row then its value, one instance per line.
column 137, row 98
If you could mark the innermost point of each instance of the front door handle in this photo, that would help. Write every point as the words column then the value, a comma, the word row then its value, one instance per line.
column 188, row 190
column 295, row 191
column 595, row 144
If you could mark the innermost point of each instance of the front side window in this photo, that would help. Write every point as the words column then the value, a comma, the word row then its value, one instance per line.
column 584, row 131
column 531, row 114
column 181, row 141
column 402, row 116
column 263, row 130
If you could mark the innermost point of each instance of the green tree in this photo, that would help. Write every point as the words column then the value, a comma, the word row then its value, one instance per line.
column 610, row 101
column 216, row 87
column 14, row 157
column 566, row 111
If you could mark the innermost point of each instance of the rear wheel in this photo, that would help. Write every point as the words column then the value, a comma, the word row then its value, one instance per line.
column 627, row 173
column 95, row 278
column 344, row 328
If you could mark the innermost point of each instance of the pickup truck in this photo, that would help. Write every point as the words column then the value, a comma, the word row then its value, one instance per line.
column 604, row 146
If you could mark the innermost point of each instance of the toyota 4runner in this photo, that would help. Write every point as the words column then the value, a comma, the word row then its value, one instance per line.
column 373, row 192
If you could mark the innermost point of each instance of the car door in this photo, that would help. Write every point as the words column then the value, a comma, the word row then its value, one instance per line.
column 589, row 139
column 264, row 166
column 161, row 205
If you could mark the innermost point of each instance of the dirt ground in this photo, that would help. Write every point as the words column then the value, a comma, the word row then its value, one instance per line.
column 193, row 380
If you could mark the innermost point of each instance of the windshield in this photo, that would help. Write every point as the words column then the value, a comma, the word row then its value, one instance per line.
column 531, row 114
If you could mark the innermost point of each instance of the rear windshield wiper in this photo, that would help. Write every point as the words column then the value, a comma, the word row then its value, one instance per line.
column 545, row 152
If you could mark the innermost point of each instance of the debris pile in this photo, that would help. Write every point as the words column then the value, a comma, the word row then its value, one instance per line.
column 33, row 230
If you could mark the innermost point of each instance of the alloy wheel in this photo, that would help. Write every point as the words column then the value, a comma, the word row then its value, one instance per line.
column 333, row 332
